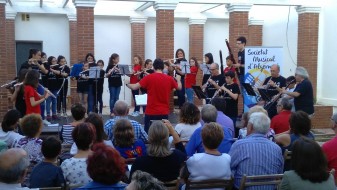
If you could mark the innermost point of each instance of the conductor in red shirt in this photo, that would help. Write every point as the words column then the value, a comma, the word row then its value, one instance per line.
column 159, row 87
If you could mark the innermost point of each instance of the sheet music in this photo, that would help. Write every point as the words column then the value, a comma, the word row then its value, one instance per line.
column 94, row 72
column 185, row 67
column 205, row 69
column 141, row 100
column 124, row 69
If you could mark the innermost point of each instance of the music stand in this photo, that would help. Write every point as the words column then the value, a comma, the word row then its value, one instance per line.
column 198, row 91
column 185, row 67
column 264, row 94
column 249, row 89
column 124, row 69
column 205, row 69
column 94, row 73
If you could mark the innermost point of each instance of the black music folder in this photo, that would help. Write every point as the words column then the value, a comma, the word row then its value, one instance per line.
column 198, row 91
column 249, row 89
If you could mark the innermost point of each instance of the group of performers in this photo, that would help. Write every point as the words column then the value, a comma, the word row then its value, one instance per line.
column 49, row 76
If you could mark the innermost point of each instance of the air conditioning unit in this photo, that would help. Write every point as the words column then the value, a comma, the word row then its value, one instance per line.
column 25, row 17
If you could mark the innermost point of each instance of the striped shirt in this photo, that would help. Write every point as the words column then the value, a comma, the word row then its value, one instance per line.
column 66, row 134
column 255, row 155
column 138, row 128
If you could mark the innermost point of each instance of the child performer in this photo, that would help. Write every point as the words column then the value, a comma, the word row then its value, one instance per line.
column 231, row 94
column 114, row 79
column 53, row 86
column 148, row 69
column 134, row 78
column 82, row 84
column 32, row 98
column 62, row 76
column 230, row 67
column 98, row 91
column 191, row 79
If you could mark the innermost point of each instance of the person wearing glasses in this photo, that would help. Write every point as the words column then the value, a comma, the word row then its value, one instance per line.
column 214, row 83
column 280, row 122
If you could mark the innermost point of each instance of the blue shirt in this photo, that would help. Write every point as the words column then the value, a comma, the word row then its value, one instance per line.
column 46, row 174
column 225, row 122
column 77, row 68
column 194, row 145
column 136, row 150
column 138, row 129
column 96, row 185
column 255, row 155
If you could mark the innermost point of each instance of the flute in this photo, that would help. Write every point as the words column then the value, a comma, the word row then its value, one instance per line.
column 207, row 83
column 9, row 84
column 48, row 91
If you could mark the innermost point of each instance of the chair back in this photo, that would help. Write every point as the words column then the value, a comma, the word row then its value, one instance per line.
column 273, row 179
column 51, row 188
column 210, row 184
column 172, row 185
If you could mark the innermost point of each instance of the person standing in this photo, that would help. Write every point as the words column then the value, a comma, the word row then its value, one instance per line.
column 63, row 72
column 134, row 78
column 115, row 80
column 180, row 56
column 303, row 93
column 159, row 87
column 191, row 79
column 208, row 61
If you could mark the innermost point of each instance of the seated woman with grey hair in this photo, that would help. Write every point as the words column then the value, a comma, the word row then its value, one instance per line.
column 160, row 161
column 144, row 181
column 303, row 93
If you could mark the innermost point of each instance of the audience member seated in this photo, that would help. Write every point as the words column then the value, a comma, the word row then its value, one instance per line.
column 31, row 126
column 255, row 154
column 3, row 146
column 189, row 121
column 208, row 114
column 125, row 142
column 9, row 126
column 225, row 121
column 77, row 112
column 13, row 168
column 280, row 122
column 244, row 123
column 300, row 125
column 310, row 168
column 144, row 181
column 121, row 111
column 329, row 148
column 271, row 133
column 46, row 173
column 106, row 167
column 160, row 161
column 97, row 121
column 75, row 168
column 212, row 164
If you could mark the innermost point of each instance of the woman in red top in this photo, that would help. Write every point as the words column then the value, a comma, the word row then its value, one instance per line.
column 32, row 98
column 137, row 68
column 191, row 79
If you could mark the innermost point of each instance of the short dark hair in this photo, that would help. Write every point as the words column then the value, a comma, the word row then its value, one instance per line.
column 147, row 62
column 100, row 61
column 32, row 78
column 105, row 165
column 10, row 119
column 123, row 132
column 212, row 135
column 31, row 124
column 33, row 52
column 189, row 114
column 97, row 121
column 51, row 147
column 43, row 54
column 242, row 39
column 59, row 58
column 308, row 160
column 300, row 123
column 181, row 50
column 210, row 58
column 230, row 74
column 228, row 58
column 285, row 103
column 291, row 79
column 78, row 111
column 84, row 135
column 219, row 103
column 158, row 64
column 50, row 59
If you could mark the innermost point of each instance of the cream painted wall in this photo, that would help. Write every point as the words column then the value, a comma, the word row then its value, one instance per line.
column 181, row 36
column 52, row 30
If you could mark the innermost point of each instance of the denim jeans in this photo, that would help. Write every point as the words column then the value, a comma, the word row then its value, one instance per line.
column 53, row 102
column 90, row 98
column 40, row 90
column 134, row 93
column 190, row 95
column 148, row 118
column 114, row 96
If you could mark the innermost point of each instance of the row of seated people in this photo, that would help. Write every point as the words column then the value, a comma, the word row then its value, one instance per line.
column 163, row 163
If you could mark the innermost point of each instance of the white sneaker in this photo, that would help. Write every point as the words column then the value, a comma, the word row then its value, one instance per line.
column 45, row 122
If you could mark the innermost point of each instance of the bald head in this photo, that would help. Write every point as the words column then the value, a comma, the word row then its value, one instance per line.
column 275, row 70
column 13, row 163
column 214, row 69
column 121, row 108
